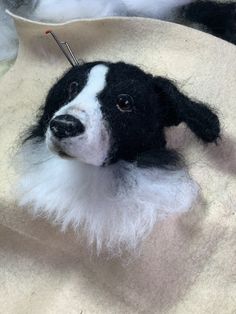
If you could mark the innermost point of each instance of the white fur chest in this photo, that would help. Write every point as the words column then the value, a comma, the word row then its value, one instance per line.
column 116, row 205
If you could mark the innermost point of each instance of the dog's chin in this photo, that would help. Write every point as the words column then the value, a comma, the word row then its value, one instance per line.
column 64, row 155
column 74, row 149
column 61, row 153
column 54, row 146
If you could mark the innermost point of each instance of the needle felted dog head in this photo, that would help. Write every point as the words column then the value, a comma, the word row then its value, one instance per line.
column 101, row 112
column 97, row 156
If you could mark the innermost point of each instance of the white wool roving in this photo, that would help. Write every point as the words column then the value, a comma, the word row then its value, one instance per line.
column 61, row 11
column 153, row 8
column 115, row 206
column 57, row 10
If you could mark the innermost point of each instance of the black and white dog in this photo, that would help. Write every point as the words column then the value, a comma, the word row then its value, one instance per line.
column 97, row 156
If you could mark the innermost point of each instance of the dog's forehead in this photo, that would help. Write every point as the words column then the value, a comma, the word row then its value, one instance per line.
column 125, row 71
column 96, row 79
column 112, row 73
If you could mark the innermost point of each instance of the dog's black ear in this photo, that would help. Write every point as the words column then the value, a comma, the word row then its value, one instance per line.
column 179, row 108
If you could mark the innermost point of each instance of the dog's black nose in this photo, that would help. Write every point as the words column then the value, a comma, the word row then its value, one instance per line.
column 66, row 126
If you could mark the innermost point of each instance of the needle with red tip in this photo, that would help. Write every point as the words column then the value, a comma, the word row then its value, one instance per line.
column 67, row 52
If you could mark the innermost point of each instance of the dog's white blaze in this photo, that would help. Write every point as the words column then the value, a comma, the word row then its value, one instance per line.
column 86, row 100
column 93, row 145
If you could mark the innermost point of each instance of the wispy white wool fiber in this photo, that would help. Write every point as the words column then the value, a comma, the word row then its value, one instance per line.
column 162, row 9
column 61, row 11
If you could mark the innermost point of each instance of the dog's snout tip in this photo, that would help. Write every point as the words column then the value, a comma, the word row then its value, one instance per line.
column 65, row 126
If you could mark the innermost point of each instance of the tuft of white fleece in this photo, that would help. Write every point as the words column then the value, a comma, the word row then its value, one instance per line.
column 59, row 11
column 153, row 8
column 115, row 206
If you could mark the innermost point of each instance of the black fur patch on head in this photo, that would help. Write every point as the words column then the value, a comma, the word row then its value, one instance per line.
column 136, row 107
column 138, row 134
column 141, row 128
column 219, row 18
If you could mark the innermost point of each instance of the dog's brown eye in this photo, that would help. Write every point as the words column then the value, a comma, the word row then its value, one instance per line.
column 73, row 89
column 125, row 103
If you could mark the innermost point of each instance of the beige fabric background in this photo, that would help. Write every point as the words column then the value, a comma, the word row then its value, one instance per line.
column 188, row 263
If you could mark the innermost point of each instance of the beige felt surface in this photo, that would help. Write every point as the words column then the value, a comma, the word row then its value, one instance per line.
column 5, row 66
column 188, row 263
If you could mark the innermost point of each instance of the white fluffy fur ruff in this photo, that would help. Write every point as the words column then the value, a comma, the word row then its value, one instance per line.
column 116, row 206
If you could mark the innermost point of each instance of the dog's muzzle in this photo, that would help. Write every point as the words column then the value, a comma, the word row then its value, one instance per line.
column 65, row 126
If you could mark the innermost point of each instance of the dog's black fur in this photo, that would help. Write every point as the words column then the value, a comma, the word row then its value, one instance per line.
column 137, row 131
column 216, row 18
